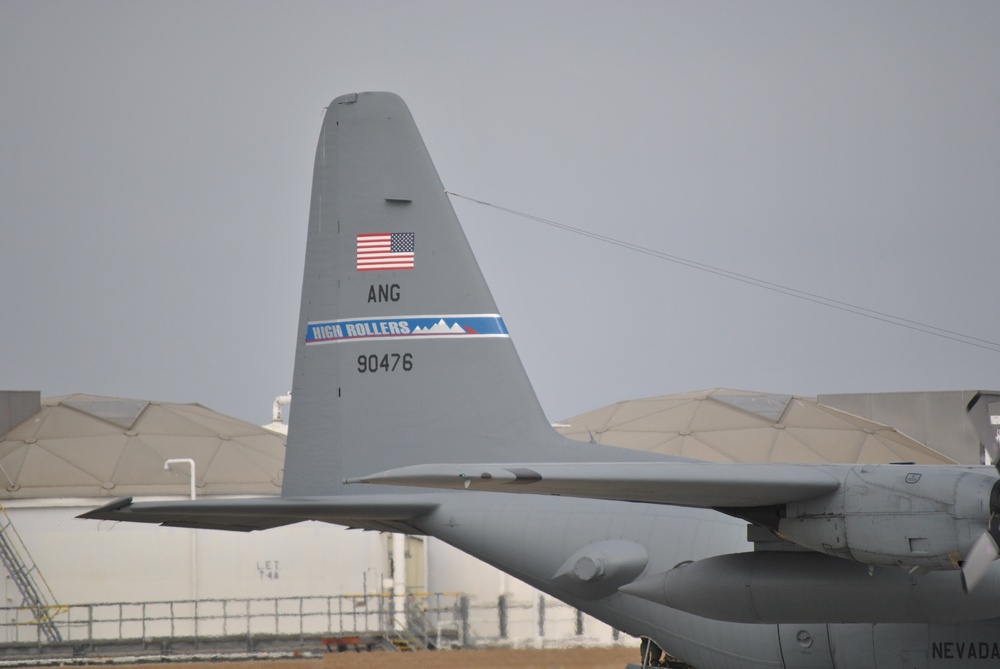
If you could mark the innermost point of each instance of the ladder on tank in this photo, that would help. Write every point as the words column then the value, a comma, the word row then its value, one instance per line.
column 15, row 557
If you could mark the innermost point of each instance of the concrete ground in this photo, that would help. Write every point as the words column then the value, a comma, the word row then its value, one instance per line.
column 571, row 658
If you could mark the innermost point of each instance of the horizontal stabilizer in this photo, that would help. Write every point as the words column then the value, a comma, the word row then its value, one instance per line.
column 696, row 484
column 260, row 513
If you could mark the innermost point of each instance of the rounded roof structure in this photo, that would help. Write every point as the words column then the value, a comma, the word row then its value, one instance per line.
column 94, row 446
column 740, row 426
column 89, row 446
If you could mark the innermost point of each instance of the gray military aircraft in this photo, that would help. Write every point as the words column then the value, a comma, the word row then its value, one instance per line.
column 405, row 375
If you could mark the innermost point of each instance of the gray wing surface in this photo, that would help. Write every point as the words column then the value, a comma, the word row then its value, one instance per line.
column 695, row 484
column 377, row 512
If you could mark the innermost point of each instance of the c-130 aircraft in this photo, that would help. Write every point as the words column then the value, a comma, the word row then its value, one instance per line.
column 406, row 376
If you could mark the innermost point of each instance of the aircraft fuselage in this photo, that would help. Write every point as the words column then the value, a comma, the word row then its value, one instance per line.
column 530, row 537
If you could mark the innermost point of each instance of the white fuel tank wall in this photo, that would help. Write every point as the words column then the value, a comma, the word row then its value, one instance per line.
column 90, row 561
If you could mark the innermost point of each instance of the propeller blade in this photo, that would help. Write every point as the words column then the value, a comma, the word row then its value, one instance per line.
column 978, row 561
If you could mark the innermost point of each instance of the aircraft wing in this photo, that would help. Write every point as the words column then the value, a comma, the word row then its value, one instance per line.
column 696, row 484
column 391, row 512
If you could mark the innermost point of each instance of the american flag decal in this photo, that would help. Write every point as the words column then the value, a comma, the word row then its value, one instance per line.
column 385, row 251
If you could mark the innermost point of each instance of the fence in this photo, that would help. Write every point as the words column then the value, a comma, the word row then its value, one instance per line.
column 438, row 620
column 538, row 622
column 87, row 624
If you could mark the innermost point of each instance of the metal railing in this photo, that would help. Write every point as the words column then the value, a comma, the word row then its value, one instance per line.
column 35, row 592
column 222, row 626
column 540, row 622
column 210, row 619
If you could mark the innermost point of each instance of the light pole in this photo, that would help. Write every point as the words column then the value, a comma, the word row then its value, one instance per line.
column 193, row 533
column 179, row 461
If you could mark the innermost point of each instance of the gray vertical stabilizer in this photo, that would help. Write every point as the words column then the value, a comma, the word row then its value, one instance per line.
column 401, row 356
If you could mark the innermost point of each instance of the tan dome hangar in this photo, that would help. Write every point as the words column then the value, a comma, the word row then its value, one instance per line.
column 93, row 446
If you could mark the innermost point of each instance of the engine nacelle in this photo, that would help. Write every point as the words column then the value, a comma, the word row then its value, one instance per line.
column 897, row 515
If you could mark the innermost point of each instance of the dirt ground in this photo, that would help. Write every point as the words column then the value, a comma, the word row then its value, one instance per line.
column 570, row 658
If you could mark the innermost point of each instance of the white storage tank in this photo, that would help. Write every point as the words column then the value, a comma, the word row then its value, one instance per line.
column 77, row 452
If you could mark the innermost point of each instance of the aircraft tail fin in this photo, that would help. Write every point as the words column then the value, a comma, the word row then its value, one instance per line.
column 402, row 357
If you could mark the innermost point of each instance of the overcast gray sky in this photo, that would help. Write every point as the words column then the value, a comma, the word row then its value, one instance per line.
column 156, row 158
